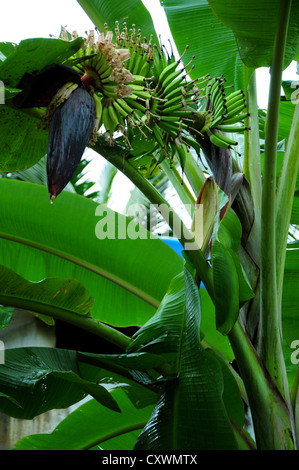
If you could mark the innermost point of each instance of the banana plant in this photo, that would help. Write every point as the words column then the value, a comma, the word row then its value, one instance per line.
column 218, row 327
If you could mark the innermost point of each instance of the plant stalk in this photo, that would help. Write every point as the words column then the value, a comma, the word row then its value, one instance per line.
column 272, row 419
column 285, row 198
column 271, row 344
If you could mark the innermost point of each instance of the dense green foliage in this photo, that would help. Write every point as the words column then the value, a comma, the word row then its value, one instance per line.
column 215, row 327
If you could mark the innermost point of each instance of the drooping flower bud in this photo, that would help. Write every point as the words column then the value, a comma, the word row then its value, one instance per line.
column 70, row 130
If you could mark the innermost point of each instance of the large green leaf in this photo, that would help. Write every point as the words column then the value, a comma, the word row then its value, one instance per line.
column 161, row 334
column 32, row 55
column 174, row 333
column 6, row 314
column 47, row 295
column 34, row 380
column 226, row 286
column 129, row 12
column 254, row 25
column 232, row 289
column 190, row 413
column 127, row 278
column 98, row 425
column 193, row 23
column 22, row 142
column 6, row 48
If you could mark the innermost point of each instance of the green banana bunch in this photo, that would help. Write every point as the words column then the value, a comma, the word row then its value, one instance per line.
column 141, row 85
column 226, row 111
column 160, row 91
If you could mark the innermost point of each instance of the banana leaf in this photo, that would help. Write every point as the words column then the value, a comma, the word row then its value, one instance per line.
column 34, row 380
column 100, row 428
column 213, row 44
column 254, row 26
column 195, row 393
column 32, row 55
column 45, row 296
column 22, row 142
column 131, row 12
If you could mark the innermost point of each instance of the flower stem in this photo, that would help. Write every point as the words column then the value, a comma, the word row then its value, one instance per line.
column 116, row 156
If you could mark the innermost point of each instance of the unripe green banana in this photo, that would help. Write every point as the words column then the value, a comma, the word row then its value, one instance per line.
column 192, row 143
column 146, row 67
column 169, row 69
column 158, row 135
column 177, row 92
column 106, row 74
column 169, row 79
column 137, row 63
column 177, row 84
column 106, row 120
column 236, row 110
column 145, row 95
column 220, row 110
column 217, row 94
column 118, row 105
column 134, row 104
column 171, row 109
column 169, row 118
column 169, row 129
column 221, row 140
column 182, row 153
column 102, row 65
column 235, row 93
column 113, row 117
column 238, row 118
column 184, row 113
column 237, row 100
column 172, row 102
column 220, row 98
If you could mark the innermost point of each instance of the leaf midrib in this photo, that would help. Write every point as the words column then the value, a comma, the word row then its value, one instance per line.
column 86, row 265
